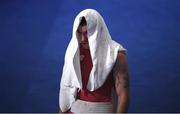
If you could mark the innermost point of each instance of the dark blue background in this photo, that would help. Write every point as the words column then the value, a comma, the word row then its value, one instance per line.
column 34, row 36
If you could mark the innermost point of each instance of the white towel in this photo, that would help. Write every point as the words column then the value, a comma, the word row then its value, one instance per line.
column 103, row 53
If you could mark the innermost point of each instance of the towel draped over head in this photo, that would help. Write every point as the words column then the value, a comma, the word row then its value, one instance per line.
column 103, row 53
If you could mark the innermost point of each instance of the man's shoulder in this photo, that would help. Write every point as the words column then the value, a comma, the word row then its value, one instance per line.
column 121, row 54
column 121, row 58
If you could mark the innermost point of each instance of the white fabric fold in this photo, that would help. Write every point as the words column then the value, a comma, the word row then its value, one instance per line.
column 103, row 53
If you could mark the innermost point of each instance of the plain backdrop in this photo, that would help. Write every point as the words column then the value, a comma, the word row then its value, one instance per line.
column 34, row 35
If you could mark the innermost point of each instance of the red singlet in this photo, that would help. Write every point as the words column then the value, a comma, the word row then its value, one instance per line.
column 103, row 94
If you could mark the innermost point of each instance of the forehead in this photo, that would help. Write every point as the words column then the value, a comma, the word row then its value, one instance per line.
column 82, row 28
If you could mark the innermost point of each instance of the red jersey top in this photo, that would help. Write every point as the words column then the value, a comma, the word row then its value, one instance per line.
column 102, row 94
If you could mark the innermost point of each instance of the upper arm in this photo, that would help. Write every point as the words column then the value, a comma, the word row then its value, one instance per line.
column 120, row 72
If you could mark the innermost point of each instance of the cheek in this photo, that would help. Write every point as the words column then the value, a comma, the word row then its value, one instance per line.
column 85, row 34
column 78, row 36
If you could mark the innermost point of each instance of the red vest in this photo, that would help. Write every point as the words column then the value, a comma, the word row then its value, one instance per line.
column 102, row 94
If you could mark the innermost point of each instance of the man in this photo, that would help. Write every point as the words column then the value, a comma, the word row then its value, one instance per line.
column 95, row 65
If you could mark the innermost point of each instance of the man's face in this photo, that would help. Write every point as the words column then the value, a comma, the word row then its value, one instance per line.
column 82, row 34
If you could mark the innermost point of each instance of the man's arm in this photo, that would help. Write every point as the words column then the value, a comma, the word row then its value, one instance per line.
column 120, row 72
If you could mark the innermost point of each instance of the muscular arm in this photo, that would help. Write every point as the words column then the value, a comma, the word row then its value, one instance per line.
column 120, row 72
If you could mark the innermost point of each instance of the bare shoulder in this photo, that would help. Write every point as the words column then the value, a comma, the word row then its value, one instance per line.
column 122, row 57
column 121, row 62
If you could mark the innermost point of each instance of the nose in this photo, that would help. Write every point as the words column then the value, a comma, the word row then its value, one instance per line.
column 83, row 37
